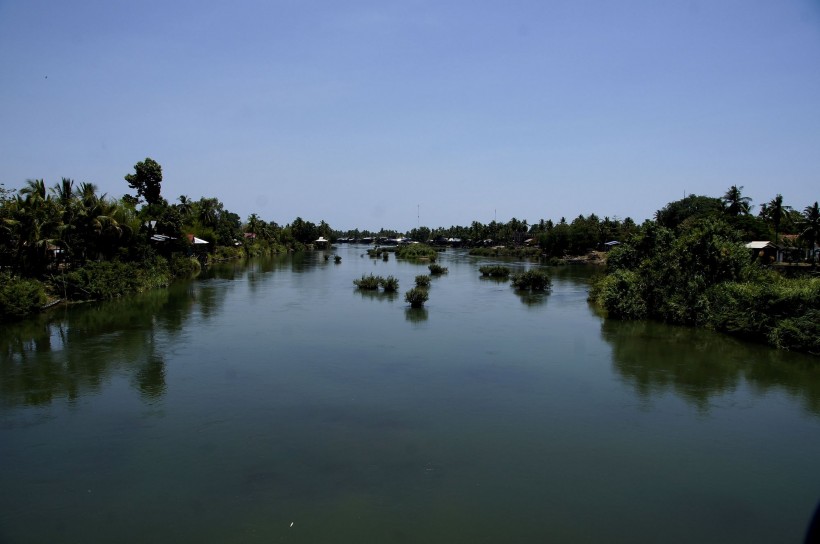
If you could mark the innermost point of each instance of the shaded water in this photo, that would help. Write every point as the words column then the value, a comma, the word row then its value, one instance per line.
column 227, row 408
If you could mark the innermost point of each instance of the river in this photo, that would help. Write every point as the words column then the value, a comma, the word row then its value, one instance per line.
column 271, row 401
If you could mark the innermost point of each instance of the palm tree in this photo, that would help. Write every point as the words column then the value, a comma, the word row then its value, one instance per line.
column 736, row 204
column 774, row 211
column 811, row 228
column 35, row 189
column 254, row 224
column 185, row 207
column 34, row 224
column 209, row 211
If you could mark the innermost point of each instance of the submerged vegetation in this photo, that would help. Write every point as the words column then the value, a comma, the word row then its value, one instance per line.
column 416, row 251
column 416, row 296
column 422, row 280
column 368, row 282
column 496, row 271
column 372, row 283
column 389, row 284
column 532, row 280
column 437, row 269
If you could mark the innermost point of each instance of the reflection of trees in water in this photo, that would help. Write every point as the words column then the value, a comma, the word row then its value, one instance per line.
column 531, row 298
column 698, row 365
column 415, row 315
column 150, row 377
column 67, row 354
column 375, row 294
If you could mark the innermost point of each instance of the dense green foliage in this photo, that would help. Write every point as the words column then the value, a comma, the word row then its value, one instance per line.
column 146, row 180
column 416, row 296
column 184, row 267
column 705, row 276
column 504, row 251
column 783, row 312
column 532, row 280
column 368, row 282
column 496, row 271
column 389, row 284
column 105, row 280
column 423, row 280
column 437, row 269
column 416, row 251
column 51, row 235
column 20, row 296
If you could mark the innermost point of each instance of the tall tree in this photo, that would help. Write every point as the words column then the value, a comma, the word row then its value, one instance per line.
column 811, row 227
column 147, row 180
column 775, row 212
column 737, row 204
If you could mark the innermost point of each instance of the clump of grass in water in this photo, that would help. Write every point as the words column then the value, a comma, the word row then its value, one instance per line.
column 416, row 251
column 437, row 269
column 390, row 284
column 423, row 280
column 494, row 271
column 368, row 282
column 532, row 280
column 337, row 259
column 416, row 297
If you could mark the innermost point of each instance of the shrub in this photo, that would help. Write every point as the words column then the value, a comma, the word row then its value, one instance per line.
column 389, row 284
column 416, row 297
column 437, row 270
column 620, row 295
column 798, row 333
column 112, row 279
column 20, row 297
column 185, row 267
column 416, row 251
column 337, row 259
column 532, row 280
column 368, row 282
column 423, row 280
column 494, row 271
column 782, row 311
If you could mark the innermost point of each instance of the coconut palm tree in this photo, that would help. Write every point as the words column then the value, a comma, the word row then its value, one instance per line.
column 811, row 228
column 35, row 189
column 34, row 223
column 775, row 212
column 185, row 207
column 736, row 204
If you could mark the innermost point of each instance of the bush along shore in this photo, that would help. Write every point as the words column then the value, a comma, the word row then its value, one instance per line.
column 704, row 276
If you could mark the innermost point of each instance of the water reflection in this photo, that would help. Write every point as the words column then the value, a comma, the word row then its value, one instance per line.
column 415, row 315
column 72, row 352
column 531, row 298
column 699, row 365
column 374, row 294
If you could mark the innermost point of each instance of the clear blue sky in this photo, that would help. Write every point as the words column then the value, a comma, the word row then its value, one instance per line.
column 356, row 112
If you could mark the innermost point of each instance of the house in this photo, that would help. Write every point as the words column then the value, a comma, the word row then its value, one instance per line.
column 764, row 251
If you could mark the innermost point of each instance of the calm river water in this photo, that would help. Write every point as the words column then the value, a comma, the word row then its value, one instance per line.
column 272, row 402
